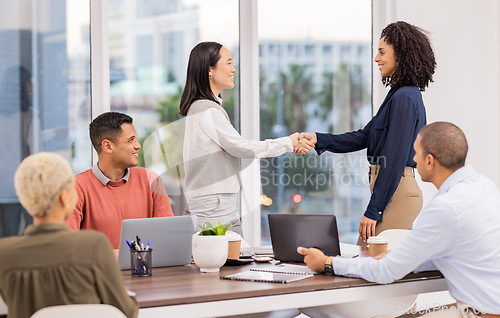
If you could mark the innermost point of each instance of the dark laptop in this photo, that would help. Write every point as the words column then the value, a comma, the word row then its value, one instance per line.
column 288, row 231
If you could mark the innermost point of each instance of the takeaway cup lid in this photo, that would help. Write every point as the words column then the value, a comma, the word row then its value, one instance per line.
column 377, row 240
column 233, row 236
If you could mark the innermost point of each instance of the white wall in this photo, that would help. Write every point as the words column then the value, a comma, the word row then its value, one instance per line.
column 465, row 35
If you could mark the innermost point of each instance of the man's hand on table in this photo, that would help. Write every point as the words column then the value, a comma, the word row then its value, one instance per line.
column 314, row 258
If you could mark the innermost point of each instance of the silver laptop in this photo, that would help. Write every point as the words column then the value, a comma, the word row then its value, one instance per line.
column 170, row 237
column 289, row 231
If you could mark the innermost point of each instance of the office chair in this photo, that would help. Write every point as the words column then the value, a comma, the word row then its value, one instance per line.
column 395, row 236
column 79, row 311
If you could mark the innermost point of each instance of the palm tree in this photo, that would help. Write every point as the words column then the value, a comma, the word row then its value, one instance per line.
column 296, row 90
column 343, row 90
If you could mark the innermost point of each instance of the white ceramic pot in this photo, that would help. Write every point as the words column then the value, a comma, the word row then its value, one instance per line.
column 209, row 252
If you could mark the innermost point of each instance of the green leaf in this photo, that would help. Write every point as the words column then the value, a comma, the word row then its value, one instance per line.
column 208, row 229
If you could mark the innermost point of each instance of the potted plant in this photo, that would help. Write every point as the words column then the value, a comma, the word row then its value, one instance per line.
column 210, row 247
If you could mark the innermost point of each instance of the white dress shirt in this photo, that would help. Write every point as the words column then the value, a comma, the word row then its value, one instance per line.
column 458, row 233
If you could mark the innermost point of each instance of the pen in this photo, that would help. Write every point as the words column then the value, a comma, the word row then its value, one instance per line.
column 128, row 243
column 147, row 246
column 138, row 240
column 137, row 248
column 142, row 246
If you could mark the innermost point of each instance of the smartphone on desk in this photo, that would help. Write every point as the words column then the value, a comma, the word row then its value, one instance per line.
column 246, row 254
column 262, row 259
column 264, row 253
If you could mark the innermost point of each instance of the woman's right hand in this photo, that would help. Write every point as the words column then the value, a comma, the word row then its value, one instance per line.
column 300, row 146
column 309, row 136
column 306, row 138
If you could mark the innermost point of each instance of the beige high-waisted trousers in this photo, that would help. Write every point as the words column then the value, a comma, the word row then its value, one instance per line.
column 404, row 206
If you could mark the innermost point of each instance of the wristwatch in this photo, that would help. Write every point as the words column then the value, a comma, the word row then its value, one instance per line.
column 328, row 267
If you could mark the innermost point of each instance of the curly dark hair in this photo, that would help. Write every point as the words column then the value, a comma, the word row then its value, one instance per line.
column 414, row 55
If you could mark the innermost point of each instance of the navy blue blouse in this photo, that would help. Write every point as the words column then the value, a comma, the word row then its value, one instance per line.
column 389, row 139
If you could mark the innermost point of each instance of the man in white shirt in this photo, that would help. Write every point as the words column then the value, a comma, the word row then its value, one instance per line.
column 457, row 233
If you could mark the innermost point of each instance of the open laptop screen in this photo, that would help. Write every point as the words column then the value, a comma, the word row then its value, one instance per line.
column 170, row 237
column 288, row 231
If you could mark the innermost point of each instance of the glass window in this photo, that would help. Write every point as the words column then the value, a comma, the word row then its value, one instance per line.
column 152, row 8
column 172, row 46
column 149, row 58
column 360, row 51
column 144, row 51
column 309, row 50
column 327, row 50
column 274, row 50
column 345, row 52
column 329, row 94
column 44, row 91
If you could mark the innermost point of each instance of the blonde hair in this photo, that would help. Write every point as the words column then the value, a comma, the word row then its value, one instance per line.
column 40, row 180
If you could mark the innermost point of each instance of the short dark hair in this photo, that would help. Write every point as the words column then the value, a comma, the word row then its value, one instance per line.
column 414, row 55
column 203, row 56
column 107, row 126
column 446, row 142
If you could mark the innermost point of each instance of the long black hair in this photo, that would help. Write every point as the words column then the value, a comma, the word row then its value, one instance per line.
column 414, row 55
column 203, row 56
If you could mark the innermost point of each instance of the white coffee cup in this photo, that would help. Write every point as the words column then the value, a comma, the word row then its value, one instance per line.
column 377, row 245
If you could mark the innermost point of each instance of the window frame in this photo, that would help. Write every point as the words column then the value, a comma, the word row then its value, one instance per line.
column 249, row 97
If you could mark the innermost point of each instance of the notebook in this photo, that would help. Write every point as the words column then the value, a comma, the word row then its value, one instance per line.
column 283, row 268
column 289, row 231
column 266, row 277
column 170, row 237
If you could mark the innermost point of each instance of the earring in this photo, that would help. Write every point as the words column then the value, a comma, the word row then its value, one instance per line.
column 209, row 76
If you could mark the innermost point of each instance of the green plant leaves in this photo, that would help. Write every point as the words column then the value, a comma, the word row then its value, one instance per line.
column 208, row 229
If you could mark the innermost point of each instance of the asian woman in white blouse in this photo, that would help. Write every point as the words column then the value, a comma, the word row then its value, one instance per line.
column 212, row 146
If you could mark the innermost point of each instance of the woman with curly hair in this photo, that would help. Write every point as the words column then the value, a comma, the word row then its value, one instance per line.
column 406, row 62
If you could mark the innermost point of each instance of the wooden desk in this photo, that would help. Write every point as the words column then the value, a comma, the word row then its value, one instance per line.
column 185, row 292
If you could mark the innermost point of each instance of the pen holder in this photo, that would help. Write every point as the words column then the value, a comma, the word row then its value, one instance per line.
column 140, row 263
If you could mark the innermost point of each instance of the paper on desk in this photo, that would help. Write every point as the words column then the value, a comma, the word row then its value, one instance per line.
column 349, row 250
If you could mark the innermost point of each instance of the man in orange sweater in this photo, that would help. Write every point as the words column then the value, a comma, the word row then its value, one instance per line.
column 114, row 189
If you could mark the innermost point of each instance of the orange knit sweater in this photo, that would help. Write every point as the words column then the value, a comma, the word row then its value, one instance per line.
column 104, row 207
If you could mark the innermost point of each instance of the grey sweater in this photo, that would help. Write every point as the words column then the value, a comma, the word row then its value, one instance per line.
column 213, row 148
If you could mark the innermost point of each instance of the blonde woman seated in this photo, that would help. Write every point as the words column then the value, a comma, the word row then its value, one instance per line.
column 51, row 264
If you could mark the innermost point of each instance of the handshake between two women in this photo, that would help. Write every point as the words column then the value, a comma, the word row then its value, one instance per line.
column 303, row 142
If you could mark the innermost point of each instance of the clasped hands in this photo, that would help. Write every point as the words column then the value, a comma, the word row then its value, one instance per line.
column 303, row 142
